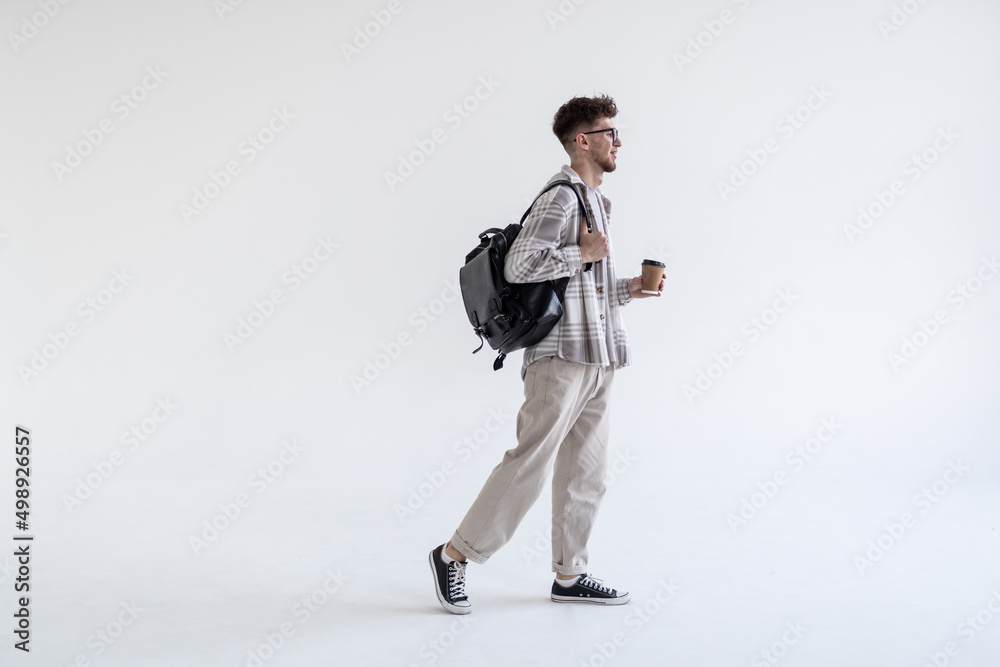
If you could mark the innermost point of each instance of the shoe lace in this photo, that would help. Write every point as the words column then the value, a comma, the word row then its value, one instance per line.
column 456, row 579
column 596, row 584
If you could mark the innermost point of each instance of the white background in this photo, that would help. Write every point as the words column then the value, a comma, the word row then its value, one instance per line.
column 369, row 493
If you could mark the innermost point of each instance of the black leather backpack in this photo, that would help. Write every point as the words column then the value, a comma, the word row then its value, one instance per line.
column 510, row 316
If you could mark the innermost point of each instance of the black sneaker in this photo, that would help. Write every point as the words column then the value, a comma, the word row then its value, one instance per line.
column 449, row 583
column 588, row 589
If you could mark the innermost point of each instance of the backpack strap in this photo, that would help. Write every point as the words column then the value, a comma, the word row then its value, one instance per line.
column 583, row 207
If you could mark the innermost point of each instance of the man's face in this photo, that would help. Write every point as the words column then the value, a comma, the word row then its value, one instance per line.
column 602, row 150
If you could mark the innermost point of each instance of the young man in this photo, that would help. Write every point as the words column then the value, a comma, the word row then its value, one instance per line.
column 567, row 376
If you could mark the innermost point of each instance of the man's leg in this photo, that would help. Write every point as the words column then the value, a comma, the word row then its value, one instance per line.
column 578, row 486
column 556, row 392
column 578, row 482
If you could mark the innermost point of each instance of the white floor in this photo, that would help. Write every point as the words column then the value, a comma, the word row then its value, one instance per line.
column 329, row 532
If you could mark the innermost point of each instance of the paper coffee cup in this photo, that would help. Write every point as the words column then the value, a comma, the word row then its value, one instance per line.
column 652, row 273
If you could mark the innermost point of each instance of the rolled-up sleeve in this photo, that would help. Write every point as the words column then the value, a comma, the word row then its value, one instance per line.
column 539, row 252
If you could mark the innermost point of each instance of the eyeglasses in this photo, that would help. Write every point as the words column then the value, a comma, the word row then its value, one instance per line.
column 612, row 130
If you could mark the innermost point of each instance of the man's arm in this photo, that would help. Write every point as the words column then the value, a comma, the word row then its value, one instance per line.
column 538, row 253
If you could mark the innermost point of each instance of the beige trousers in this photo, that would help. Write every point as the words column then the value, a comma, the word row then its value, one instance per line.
column 564, row 418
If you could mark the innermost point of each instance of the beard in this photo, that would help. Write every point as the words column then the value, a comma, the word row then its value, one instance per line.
column 606, row 162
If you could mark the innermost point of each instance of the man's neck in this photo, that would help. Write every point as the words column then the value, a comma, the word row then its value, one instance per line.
column 589, row 171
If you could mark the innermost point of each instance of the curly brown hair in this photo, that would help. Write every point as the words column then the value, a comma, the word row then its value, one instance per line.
column 580, row 112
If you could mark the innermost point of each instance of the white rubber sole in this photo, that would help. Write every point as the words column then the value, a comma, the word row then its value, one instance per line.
column 437, row 589
column 605, row 601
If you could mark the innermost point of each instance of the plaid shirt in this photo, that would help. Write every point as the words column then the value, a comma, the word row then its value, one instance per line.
column 591, row 330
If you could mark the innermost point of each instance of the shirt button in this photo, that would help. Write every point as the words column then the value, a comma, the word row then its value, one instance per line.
column 602, row 317
column 600, row 290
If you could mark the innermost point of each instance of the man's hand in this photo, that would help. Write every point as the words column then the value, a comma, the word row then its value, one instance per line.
column 593, row 246
column 635, row 288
